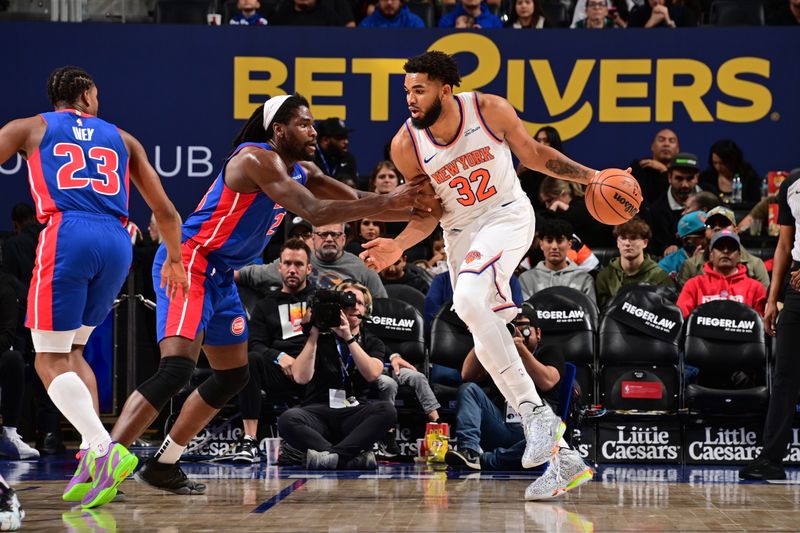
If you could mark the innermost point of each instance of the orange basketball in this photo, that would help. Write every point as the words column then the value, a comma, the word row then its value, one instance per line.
column 613, row 196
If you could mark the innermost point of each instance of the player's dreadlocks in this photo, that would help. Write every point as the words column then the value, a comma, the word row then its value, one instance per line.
column 253, row 130
column 437, row 65
column 66, row 84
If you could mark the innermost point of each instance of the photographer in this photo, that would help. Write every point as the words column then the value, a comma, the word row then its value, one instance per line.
column 334, row 424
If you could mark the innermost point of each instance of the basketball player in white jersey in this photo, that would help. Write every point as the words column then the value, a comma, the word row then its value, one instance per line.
column 464, row 143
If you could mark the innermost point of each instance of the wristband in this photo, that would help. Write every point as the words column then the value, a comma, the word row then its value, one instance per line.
column 351, row 340
column 278, row 359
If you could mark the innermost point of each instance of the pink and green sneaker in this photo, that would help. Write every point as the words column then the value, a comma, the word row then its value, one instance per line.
column 81, row 480
column 109, row 471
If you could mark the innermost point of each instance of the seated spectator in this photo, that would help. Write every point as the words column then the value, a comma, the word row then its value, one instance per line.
column 276, row 338
column 633, row 266
column 308, row 13
column 404, row 273
column 334, row 424
column 401, row 372
column 12, row 373
column 783, row 13
column 725, row 161
column 384, row 179
column 661, row 14
column 692, row 232
column 718, row 219
column 724, row 278
column 437, row 263
column 488, row 431
column 651, row 172
column 333, row 154
column 247, row 14
column 618, row 12
column 527, row 14
column 682, row 176
column 565, row 200
column 331, row 265
column 392, row 14
column 701, row 201
column 531, row 180
column 555, row 240
column 477, row 9
column 364, row 230
column 596, row 16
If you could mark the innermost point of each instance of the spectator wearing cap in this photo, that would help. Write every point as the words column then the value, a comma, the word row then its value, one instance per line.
column 724, row 278
column 651, row 172
column 692, row 232
column 392, row 14
column 682, row 176
column 333, row 155
column 556, row 270
column 476, row 9
column 725, row 162
column 718, row 219
column 299, row 228
column 633, row 266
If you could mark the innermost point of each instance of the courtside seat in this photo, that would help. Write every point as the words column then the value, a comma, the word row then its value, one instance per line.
column 725, row 341
column 638, row 352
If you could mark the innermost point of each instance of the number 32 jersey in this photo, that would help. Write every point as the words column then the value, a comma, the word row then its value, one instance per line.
column 81, row 165
column 474, row 173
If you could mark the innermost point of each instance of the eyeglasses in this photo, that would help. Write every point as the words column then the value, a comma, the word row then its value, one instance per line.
column 595, row 4
column 325, row 234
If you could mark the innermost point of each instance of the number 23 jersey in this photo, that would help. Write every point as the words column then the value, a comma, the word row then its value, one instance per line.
column 474, row 173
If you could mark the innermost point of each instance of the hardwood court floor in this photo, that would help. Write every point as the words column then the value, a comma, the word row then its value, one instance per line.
column 400, row 498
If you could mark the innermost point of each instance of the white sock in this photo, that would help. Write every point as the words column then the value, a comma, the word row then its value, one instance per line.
column 84, row 444
column 170, row 451
column 74, row 400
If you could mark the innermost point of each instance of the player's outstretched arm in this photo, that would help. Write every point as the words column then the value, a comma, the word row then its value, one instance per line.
column 268, row 172
column 328, row 188
column 502, row 118
column 146, row 180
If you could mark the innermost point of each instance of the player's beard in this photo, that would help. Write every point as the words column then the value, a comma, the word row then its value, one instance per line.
column 430, row 118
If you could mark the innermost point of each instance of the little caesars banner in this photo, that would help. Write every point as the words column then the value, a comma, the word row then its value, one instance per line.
column 712, row 444
column 646, row 441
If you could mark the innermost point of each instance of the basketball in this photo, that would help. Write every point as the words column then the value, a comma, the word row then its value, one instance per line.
column 613, row 196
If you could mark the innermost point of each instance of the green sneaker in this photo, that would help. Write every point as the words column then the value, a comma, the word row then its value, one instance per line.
column 110, row 470
column 81, row 480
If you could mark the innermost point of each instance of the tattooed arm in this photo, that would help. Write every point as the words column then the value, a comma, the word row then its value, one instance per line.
column 502, row 118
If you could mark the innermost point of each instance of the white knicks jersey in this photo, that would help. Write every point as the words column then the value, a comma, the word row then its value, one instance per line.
column 474, row 173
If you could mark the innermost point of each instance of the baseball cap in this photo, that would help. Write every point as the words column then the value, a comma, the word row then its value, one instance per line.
column 691, row 223
column 723, row 212
column 725, row 234
column 684, row 160
column 333, row 127
column 297, row 222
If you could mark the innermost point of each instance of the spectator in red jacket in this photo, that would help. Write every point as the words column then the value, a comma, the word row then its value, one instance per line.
column 723, row 278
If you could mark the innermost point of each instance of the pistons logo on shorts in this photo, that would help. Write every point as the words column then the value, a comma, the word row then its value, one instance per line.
column 472, row 255
column 237, row 326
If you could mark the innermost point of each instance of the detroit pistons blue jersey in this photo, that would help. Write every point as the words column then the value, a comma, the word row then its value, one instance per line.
column 80, row 165
column 232, row 227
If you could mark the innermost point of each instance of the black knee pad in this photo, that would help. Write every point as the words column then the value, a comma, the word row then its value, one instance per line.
column 222, row 385
column 173, row 374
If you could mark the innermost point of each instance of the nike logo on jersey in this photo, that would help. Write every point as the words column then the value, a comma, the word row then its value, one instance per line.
column 428, row 159
column 472, row 130
column 83, row 134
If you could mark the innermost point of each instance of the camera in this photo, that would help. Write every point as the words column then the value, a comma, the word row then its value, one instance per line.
column 326, row 307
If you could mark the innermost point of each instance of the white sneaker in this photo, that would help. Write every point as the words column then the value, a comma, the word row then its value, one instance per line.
column 565, row 472
column 12, row 446
column 11, row 512
column 543, row 431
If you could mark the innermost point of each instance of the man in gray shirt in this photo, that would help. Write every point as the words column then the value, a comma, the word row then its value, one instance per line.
column 555, row 239
column 331, row 265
